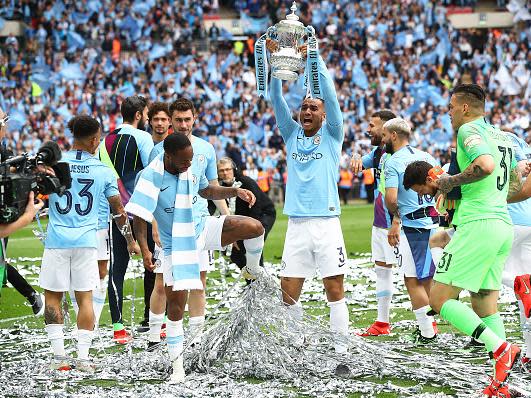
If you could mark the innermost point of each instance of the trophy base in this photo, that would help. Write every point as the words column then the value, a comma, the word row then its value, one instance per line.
column 284, row 74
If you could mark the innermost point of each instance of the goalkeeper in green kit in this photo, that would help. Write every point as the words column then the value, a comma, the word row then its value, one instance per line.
column 475, row 257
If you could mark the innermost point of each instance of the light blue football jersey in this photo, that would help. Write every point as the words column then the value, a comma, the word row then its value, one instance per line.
column 520, row 212
column 313, row 162
column 166, row 206
column 203, row 163
column 103, row 213
column 408, row 200
column 73, row 217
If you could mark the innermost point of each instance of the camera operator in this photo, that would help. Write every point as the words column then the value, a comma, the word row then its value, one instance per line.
column 7, row 271
column 32, row 208
column 263, row 210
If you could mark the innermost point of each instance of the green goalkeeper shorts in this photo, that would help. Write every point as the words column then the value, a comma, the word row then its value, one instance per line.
column 475, row 257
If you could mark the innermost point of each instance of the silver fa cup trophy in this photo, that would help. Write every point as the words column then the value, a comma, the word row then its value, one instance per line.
column 286, row 62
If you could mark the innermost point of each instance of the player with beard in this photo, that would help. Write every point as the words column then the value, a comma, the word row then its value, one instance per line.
column 183, row 115
column 414, row 221
column 126, row 150
column 383, row 254
column 314, row 238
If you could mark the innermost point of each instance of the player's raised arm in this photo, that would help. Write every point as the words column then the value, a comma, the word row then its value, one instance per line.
column 120, row 216
column 285, row 122
column 334, row 117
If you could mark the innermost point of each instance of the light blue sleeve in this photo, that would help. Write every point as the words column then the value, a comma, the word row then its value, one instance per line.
column 157, row 149
column 285, row 122
column 211, row 171
column 392, row 176
column 203, row 182
column 145, row 146
column 334, row 117
column 518, row 146
column 111, row 186
column 368, row 160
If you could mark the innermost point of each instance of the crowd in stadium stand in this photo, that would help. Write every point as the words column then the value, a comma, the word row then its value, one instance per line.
column 85, row 57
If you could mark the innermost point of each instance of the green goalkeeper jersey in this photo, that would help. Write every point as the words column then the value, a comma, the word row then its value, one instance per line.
column 486, row 198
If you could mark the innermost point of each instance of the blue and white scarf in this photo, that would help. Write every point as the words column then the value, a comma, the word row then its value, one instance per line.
column 143, row 202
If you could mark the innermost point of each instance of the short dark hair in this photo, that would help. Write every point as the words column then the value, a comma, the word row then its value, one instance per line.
column 132, row 105
column 182, row 105
column 472, row 94
column 83, row 126
column 157, row 107
column 384, row 115
column 416, row 173
column 176, row 142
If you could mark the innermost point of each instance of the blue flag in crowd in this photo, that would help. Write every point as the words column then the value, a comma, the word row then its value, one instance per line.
column 157, row 51
column 74, row 41
column 359, row 78
column 254, row 25
column 72, row 72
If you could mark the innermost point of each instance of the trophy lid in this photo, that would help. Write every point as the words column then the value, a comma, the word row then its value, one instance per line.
column 292, row 19
column 293, row 16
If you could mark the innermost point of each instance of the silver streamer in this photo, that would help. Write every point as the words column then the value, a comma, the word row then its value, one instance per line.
column 253, row 347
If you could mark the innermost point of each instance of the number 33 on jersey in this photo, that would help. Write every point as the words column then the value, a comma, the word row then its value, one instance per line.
column 73, row 217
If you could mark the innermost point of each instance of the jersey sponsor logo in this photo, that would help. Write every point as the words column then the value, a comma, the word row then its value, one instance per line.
column 168, row 210
column 79, row 168
column 472, row 141
column 305, row 158
column 194, row 199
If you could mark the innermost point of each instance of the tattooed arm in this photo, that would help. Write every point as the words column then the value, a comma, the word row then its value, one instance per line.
column 515, row 182
column 480, row 168
column 521, row 194
column 391, row 201
column 122, row 221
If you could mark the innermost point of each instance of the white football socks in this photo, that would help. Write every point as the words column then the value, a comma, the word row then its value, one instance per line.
column 195, row 327
column 253, row 251
column 57, row 338
column 174, row 338
column 425, row 321
column 339, row 324
column 84, row 340
column 384, row 291
column 155, row 325
column 98, row 301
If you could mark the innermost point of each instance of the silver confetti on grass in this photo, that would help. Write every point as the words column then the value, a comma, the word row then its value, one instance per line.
column 286, row 368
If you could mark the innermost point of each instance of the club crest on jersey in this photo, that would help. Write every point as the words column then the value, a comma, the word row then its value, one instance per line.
column 201, row 158
column 317, row 139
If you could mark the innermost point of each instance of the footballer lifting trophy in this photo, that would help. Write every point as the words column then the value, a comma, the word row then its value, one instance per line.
column 287, row 60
